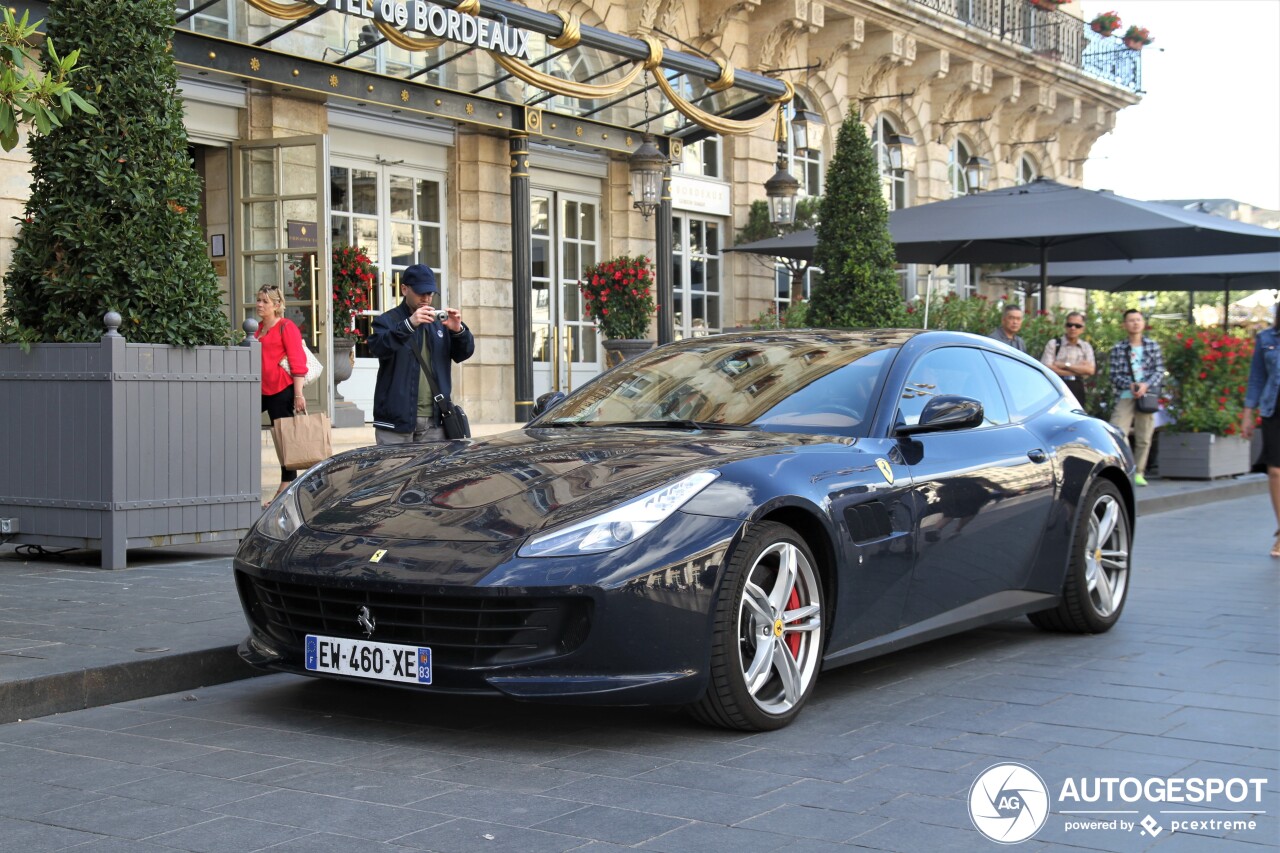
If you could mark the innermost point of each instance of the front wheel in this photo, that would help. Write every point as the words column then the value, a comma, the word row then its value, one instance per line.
column 766, row 648
column 1097, row 581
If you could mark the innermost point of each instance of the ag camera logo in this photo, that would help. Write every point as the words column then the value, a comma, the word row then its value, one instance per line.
column 1008, row 803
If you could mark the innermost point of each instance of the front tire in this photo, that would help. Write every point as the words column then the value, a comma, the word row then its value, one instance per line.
column 766, row 647
column 1097, row 581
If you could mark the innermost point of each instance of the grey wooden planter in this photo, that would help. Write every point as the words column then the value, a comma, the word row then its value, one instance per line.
column 116, row 445
column 1202, row 455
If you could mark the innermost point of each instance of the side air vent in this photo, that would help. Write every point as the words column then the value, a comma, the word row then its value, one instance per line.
column 868, row 521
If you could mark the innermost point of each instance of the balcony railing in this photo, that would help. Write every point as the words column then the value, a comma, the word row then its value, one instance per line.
column 1051, row 34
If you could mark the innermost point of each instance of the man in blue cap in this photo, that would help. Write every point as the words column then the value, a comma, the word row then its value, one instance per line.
column 403, row 411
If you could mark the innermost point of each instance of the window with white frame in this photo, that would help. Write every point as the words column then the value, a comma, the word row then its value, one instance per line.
column 210, row 19
column 806, row 163
column 1027, row 170
column 959, row 154
column 893, row 181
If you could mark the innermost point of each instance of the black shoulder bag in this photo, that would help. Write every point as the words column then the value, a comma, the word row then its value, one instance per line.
column 1148, row 403
column 453, row 420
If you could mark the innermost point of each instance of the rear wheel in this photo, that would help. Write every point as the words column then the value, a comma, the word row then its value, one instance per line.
column 767, row 643
column 1097, row 581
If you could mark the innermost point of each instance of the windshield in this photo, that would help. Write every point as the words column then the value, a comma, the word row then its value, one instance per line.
column 809, row 385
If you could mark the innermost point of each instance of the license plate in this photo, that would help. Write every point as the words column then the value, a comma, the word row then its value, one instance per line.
column 364, row 659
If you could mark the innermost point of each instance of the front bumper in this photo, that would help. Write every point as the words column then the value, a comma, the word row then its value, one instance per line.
column 526, row 628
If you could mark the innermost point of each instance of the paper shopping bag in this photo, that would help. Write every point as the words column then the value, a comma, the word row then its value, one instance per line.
column 302, row 440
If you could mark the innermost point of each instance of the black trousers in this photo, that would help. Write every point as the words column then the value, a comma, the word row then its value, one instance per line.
column 279, row 406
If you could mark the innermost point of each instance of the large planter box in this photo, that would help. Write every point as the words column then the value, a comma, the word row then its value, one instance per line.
column 117, row 445
column 1201, row 455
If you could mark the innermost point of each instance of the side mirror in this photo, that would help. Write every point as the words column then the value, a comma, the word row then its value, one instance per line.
column 945, row 412
column 546, row 402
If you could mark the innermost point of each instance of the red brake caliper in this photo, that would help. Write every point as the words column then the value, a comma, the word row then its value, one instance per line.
column 793, row 639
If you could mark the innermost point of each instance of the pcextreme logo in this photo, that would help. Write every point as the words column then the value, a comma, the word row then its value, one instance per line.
column 1009, row 803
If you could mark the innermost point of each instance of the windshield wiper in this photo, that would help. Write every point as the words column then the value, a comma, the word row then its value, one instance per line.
column 671, row 424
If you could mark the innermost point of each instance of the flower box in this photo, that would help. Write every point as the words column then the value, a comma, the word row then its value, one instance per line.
column 1202, row 455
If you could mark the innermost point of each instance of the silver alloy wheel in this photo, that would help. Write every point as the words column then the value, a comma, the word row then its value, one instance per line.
column 780, row 628
column 1106, row 561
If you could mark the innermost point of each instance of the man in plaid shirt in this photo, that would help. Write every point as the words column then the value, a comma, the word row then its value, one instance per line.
column 1137, row 367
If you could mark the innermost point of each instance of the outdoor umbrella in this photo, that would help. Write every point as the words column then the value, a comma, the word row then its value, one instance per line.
column 1044, row 220
column 798, row 245
column 1208, row 272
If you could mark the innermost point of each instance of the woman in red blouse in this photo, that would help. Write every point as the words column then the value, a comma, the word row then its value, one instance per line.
column 282, row 393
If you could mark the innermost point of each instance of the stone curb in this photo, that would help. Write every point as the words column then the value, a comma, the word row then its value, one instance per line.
column 120, row 682
column 170, row 673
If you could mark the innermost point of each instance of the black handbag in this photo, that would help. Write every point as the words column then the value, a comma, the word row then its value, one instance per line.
column 453, row 420
column 1148, row 404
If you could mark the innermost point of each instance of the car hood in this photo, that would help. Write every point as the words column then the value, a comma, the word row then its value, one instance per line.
column 512, row 485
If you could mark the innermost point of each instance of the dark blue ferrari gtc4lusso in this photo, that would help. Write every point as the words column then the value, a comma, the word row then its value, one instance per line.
column 709, row 524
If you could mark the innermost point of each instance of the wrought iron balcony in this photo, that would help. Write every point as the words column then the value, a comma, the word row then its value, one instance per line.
column 1051, row 34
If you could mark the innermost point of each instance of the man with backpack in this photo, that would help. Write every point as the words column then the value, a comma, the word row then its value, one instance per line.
column 1071, row 357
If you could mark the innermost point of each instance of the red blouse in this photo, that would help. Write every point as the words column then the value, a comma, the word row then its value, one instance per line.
column 283, row 338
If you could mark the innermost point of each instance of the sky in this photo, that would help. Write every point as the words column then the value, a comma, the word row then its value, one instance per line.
column 1209, row 123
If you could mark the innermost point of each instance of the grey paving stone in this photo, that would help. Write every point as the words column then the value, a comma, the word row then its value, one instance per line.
column 714, row 777
column 943, row 811
column 917, row 781
column 914, row 836
column 601, row 823
column 611, row 763
column 71, row 771
column 302, row 746
column 699, row 837
column 340, row 816
column 809, row 822
column 230, row 835
column 121, row 817
column 186, row 789
column 707, row 806
column 1221, row 726
column 1088, row 760
column 227, row 764
column 847, row 797
column 102, row 844
column 327, row 842
column 991, row 747
column 22, row 798
column 366, row 785
column 35, row 837
column 468, row 836
column 409, row 760
column 803, row 765
column 179, row 728
column 506, row 776
column 499, row 806
column 120, row 746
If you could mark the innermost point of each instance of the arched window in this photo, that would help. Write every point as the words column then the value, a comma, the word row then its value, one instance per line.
column 806, row 163
column 957, row 157
column 893, row 181
column 1027, row 170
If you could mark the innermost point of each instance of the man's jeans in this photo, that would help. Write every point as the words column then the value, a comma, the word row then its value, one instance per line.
column 423, row 431
column 1126, row 416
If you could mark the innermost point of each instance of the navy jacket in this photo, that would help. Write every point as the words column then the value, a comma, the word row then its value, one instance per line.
column 395, row 397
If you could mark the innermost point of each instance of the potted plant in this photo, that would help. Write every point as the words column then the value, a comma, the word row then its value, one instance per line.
column 143, row 430
column 1136, row 38
column 617, row 296
column 1208, row 373
column 1105, row 23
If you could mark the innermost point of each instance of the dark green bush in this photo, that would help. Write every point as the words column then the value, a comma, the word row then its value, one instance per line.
column 111, row 224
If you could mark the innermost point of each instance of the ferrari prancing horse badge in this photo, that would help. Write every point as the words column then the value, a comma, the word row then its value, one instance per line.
column 886, row 470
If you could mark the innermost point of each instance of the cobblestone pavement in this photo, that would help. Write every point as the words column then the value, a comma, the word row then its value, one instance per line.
column 883, row 758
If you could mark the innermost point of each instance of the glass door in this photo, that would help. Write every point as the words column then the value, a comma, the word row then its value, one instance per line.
column 280, row 201
column 566, row 240
column 695, row 275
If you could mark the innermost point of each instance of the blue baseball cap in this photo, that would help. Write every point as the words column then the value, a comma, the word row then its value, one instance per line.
column 420, row 279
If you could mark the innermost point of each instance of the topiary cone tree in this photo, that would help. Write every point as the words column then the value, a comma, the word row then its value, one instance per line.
column 111, row 224
column 859, row 287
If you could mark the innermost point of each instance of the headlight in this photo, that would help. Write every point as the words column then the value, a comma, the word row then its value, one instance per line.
column 621, row 525
column 283, row 517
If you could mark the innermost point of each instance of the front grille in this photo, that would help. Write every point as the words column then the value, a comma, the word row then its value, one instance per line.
column 461, row 630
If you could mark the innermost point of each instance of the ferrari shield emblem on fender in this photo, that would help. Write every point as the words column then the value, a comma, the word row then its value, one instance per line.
column 377, row 555
column 886, row 470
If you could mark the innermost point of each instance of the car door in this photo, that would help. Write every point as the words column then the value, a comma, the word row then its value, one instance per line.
column 982, row 494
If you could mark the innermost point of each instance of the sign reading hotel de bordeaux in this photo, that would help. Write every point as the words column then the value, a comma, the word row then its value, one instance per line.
column 430, row 19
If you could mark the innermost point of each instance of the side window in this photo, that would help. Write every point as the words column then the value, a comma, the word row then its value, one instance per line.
column 952, row 370
column 1030, row 391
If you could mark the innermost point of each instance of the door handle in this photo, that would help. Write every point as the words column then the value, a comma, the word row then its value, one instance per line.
column 1037, row 455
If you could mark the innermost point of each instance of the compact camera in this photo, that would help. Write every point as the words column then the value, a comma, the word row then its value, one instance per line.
column 442, row 314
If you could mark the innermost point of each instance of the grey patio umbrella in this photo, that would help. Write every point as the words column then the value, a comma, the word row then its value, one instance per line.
column 1253, row 271
column 1044, row 220
column 798, row 245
